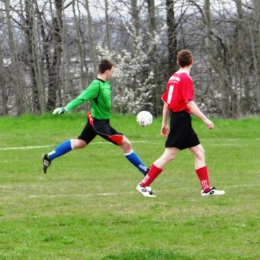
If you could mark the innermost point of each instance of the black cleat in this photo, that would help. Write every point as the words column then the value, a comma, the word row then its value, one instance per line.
column 46, row 162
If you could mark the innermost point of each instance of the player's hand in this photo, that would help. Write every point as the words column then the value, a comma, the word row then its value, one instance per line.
column 209, row 124
column 164, row 130
column 59, row 110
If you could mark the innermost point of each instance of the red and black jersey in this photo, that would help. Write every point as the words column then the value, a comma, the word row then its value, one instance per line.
column 179, row 91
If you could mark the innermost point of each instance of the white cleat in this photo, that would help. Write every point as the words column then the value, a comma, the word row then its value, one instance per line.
column 145, row 191
column 212, row 192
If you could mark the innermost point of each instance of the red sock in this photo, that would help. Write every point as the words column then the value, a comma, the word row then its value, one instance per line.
column 151, row 176
column 204, row 178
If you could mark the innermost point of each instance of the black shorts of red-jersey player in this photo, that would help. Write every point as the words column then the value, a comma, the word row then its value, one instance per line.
column 102, row 128
column 181, row 133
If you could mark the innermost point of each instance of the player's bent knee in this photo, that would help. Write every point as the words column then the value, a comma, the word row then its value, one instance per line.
column 126, row 145
column 78, row 143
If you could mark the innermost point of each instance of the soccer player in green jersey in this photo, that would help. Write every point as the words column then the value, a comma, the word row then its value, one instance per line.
column 99, row 95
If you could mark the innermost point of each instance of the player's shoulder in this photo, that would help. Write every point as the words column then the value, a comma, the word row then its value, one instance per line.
column 175, row 77
column 185, row 77
column 95, row 83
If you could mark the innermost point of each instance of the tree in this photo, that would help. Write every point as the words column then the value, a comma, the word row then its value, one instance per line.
column 15, row 80
column 92, row 52
column 219, row 58
column 241, row 77
column 32, row 60
column 254, row 30
column 154, row 57
column 3, row 90
column 172, row 36
column 53, row 66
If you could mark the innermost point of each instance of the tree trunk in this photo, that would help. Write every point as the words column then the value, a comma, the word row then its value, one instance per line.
column 135, row 17
column 256, row 51
column 31, row 43
column 14, row 76
column 3, row 89
column 54, row 69
column 172, row 37
column 107, row 26
column 242, row 67
column 154, row 56
column 219, row 63
column 91, row 42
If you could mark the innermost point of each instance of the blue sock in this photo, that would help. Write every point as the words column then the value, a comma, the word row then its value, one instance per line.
column 134, row 159
column 60, row 150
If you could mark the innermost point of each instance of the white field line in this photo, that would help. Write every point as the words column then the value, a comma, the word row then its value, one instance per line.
column 48, row 146
column 162, row 142
column 24, row 147
column 32, row 196
column 81, row 195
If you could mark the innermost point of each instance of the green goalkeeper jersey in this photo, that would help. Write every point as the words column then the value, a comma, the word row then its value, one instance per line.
column 99, row 95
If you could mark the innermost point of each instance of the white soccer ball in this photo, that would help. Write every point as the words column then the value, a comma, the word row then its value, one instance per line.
column 144, row 118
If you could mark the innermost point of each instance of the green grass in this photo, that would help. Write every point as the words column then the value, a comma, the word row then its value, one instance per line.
column 86, row 207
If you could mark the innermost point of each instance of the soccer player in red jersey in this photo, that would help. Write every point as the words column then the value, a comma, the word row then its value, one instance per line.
column 179, row 100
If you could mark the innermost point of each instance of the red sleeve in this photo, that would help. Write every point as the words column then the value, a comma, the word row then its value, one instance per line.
column 165, row 95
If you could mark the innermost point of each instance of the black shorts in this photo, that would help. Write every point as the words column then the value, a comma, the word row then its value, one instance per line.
column 181, row 133
column 102, row 128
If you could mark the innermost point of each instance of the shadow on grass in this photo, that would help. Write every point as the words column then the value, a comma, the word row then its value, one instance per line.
column 151, row 254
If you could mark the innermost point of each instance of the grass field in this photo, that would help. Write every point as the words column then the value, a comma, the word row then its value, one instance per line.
column 86, row 206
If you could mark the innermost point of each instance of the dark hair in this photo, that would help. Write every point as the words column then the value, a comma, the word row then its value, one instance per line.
column 104, row 65
column 184, row 58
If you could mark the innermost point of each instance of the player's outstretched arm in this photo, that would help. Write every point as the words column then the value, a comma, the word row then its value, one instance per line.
column 60, row 110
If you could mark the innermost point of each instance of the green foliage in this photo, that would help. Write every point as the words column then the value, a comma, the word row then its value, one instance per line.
column 86, row 206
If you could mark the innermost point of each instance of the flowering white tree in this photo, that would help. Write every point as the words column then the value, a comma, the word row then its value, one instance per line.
column 133, row 79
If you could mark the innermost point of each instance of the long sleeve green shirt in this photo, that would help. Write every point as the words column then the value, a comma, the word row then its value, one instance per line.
column 99, row 95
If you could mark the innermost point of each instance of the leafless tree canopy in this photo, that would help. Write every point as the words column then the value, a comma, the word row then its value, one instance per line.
column 50, row 50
